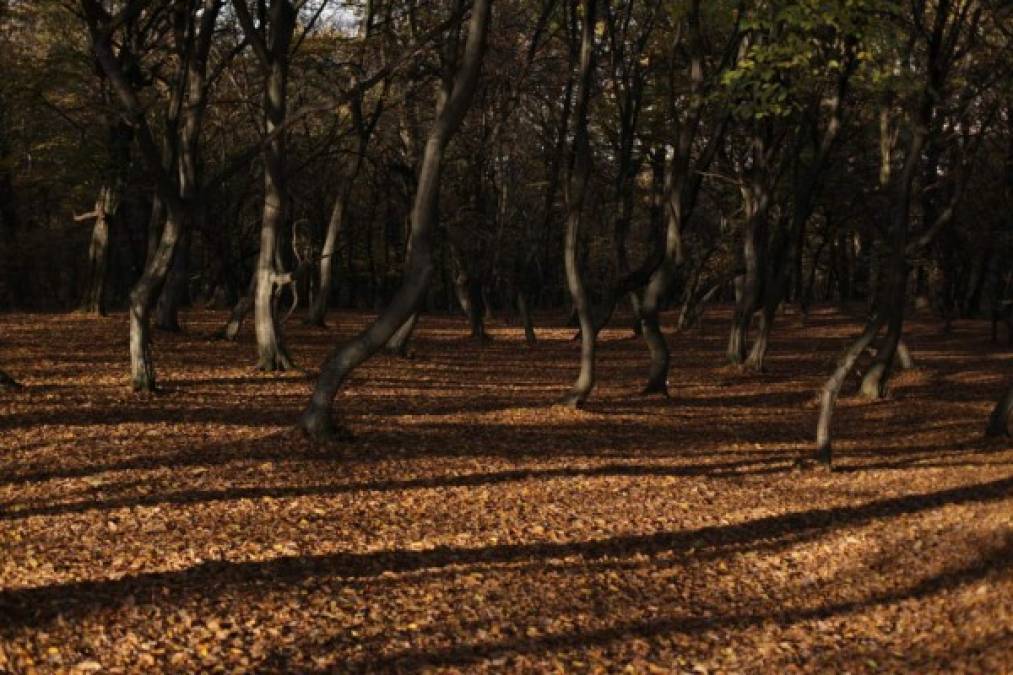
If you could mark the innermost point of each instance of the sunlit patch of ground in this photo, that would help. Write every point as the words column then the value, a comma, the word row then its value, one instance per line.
column 473, row 525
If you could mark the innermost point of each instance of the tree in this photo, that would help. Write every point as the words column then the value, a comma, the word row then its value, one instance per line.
column 453, row 98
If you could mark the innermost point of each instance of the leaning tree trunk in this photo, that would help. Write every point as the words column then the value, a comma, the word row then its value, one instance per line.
column 318, row 310
column 142, row 301
column 580, row 170
column 998, row 421
column 832, row 388
column 317, row 420
column 239, row 312
column 397, row 345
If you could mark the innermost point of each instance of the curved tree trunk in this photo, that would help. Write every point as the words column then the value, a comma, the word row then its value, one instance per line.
column 239, row 312
column 998, row 421
column 579, row 171
column 142, row 301
column 317, row 420
column 832, row 387
column 758, row 352
column 397, row 345
column 318, row 308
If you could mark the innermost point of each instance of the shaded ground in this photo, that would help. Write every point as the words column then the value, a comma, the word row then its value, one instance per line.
column 472, row 526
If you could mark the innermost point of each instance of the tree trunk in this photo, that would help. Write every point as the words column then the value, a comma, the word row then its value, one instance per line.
column 175, row 291
column 469, row 294
column 397, row 345
column 142, row 301
column 832, row 387
column 271, row 352
column 239, row 312
column 318, row 310
column 525, row 314
column 756, row 198
column 579, row 171
column 317, row 420
column 758, row 352
column 94, row 300
column 998, row 421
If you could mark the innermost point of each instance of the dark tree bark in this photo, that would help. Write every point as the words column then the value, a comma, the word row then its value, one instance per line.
column 998, row 421
column 525, row 315
column 339, row 213
column 578, row 173
column 941, row 38
column 240, row 311
column 683, row 177
column 806, row 187
column 756, row 192
column 453, row 101
column 174, row 294
column 470, row 296
column 832, row 388
column 272, row 52
column 142, row 297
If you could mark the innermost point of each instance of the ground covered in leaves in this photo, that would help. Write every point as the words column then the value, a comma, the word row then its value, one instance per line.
column 472, row 526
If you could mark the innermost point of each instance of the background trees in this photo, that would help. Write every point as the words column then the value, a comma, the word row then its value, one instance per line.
column 260, row 156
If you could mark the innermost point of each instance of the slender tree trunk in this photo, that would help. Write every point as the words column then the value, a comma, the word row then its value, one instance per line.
column 174, row 293
column 239, row 312
column 998, row 421
column 832, row 388
column 317, row 420
column 579, row 171
column 469, row 294
column 142, row 301
column 876, row 377
column 525, row 314
column 106, row 206
column 758, row 352
column 756, row 198
column 669, row 207
column 318, row 310
column 272, row 354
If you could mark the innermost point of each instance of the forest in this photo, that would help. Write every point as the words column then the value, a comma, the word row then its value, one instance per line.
column 506, row 336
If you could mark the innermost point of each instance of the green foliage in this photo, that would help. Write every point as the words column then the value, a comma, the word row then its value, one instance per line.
column 791, row 50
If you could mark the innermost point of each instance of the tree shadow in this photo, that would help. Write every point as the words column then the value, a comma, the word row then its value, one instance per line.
column 736, row 469
column 35, row 607
column 469, row 654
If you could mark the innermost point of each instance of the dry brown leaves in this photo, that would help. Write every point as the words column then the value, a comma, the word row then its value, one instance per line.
column 473, row 526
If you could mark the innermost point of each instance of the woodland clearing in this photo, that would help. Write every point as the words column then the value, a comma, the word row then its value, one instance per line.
column 472, row 525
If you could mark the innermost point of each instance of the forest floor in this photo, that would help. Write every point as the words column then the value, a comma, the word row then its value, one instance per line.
column 472, row 526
